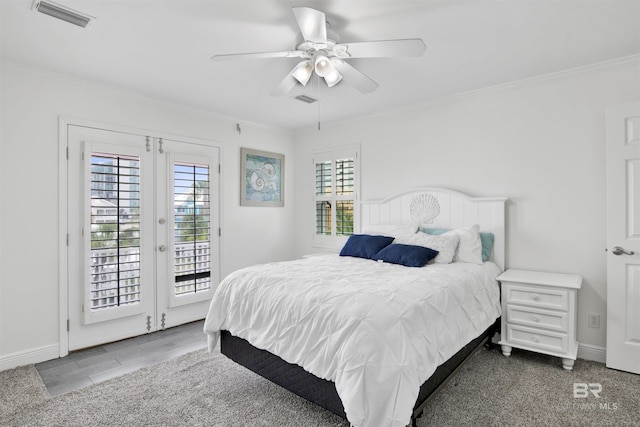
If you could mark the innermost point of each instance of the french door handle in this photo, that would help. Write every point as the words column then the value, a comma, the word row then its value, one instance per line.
column 618, row 250
column 162, row 248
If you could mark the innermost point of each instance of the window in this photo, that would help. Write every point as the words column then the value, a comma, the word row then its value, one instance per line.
column 192, row 239
column 336, row 188
column 115, row 230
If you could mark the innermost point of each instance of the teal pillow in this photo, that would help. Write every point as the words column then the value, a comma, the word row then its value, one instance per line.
column 486, row 239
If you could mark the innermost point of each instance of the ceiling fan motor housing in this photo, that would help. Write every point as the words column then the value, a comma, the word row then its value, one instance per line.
column 305, row 45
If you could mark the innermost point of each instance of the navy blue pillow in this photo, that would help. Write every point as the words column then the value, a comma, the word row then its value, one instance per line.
column 407, row 255
column 364, row 245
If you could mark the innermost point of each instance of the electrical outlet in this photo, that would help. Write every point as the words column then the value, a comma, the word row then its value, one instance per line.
column 594, row 320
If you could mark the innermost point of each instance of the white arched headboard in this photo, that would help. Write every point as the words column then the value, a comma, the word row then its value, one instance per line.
column 456, row 210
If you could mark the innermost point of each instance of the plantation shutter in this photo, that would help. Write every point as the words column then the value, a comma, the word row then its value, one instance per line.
column 115, row 231
column 336, row 181
column 192, row 216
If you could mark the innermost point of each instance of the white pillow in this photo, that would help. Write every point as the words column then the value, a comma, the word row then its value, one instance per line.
column 445, row 244
column 470, row 246
column 391, row 230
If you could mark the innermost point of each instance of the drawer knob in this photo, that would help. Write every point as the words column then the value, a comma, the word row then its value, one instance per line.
column 535, row 319
column 535, row 339
column 535, row 297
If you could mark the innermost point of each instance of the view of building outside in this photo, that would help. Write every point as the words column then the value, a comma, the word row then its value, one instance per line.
column 115, row 230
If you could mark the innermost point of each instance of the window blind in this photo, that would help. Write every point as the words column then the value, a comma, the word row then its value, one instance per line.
column 115, row 231
column 192, row 259
column 334, row 196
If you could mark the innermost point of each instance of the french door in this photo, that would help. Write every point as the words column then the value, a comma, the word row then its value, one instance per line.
column 143, row 227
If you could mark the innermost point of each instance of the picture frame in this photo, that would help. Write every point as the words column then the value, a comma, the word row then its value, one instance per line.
column 261, row 178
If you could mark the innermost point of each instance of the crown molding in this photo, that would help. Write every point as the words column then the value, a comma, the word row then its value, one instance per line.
column 603, row 65
column 612, row 63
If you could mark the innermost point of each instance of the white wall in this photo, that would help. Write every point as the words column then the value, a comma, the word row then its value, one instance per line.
column 541, row 143
column 31, row 104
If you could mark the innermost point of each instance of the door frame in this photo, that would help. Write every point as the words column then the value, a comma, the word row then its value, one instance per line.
column 63, row 200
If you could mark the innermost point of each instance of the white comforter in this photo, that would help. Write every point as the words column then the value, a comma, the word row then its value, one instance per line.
column 377, row 330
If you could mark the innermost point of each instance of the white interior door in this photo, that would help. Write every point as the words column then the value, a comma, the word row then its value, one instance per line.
column 143, row 234
column 623, row 237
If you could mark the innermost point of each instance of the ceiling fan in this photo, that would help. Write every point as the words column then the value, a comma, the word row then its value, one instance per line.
column 321, row 52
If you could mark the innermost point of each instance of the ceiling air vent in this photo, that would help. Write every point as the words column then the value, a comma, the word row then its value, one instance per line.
column 62, row 12
column 306, row 98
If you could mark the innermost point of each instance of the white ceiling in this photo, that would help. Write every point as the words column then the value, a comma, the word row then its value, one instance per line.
column 163, row 48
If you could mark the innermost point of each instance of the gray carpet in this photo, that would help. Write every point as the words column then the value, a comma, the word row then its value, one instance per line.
column 209, row 390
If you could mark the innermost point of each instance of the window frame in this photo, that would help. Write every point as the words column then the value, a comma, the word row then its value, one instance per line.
column 333, row 241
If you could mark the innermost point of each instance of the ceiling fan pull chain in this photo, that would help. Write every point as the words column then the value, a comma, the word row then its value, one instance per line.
column 318, row 92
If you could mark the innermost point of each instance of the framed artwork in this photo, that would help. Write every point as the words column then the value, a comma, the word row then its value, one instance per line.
column 262, row 178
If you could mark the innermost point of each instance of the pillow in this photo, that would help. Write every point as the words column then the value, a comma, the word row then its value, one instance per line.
column 434, row 231
column 364, row 245
column 470, row 246
column 445, row 245
column 487, row 245
column 393, row 230
column 486, row 239
column 407, row 255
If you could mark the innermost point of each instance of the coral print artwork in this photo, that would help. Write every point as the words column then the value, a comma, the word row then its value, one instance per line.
column 262, row 180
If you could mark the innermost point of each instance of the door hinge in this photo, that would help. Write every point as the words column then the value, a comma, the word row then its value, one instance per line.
column 148, row 323
column 67, row 150
column 83, row 308
column 219, row 232
column 219, row 168
column 162, row 318
column 67, row 325
column 67, row 239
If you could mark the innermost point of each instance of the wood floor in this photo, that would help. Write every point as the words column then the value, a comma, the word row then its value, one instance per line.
column 86, row 367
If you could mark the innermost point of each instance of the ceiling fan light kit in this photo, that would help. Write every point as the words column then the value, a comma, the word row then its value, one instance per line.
column 302, row 73
column 333, row 78
column 320, row 48
column 323, row 65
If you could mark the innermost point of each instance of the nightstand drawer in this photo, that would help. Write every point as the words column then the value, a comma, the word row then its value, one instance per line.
column 537, row 339
column 538, row 297
column 554, row 320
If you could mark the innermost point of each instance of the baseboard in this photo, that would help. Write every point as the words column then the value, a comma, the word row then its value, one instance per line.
column 48, row 352
column 28, row 357
column 592, row 352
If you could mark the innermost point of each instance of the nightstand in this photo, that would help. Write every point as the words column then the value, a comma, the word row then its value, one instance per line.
column 539, row 313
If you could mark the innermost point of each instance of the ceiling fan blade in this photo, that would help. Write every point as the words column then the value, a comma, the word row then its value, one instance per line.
column 381, row 49
column 261, row 55
column 355, row 78
column 285, row 86
column 312, row 23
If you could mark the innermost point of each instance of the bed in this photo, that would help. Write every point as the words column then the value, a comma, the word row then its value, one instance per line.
column 368, row 340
